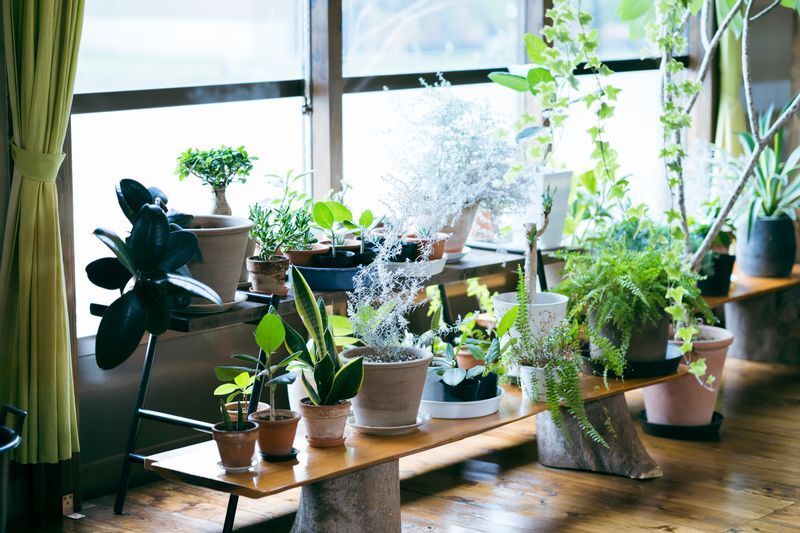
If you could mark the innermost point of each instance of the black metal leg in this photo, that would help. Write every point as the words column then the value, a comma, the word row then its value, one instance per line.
column 133, row 434
column 447, row 316
column 230, row 514
column 540, row 271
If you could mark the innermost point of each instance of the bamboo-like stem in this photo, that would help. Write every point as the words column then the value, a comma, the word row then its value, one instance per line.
column 532, row 234
column 705, row 25
column 742, row 181
column 705, row 64
column 746, row 79
column 766, row 10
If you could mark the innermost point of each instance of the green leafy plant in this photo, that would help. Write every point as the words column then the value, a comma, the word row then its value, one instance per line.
column 330, row 217
column 216, row 167
column 333, row 382
column 363, row 227
column 449, row 370
column 155, row 255
column 557, row 354
column 132, row 195
column 238, row 389
column 698, row 230
column 280, row 228
column 776, row 188
column 481, row 292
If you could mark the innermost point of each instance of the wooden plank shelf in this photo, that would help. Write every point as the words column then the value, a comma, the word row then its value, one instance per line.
column 197, row 464
column 744, row 287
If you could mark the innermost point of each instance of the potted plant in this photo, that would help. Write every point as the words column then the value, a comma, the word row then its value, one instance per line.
column 460, row 384
column 549, row 366
column 306, row 247
column 717, row 265
column 330, row 216
column 155, row 256
column 236, row 440
column 395, row 362
column 217, row 168
column 276, row 427
column 364, row 227
column 332, row 384
column 769, row 246
column 237, row 387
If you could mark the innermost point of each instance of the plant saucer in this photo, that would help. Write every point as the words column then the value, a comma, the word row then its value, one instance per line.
column 204, row 309
column 456, row 257
column 237, row 469
column 278, row 458
column 422, row 418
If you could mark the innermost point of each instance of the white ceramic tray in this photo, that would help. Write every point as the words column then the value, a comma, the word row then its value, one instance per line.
column 453, row 410
column 422, row 269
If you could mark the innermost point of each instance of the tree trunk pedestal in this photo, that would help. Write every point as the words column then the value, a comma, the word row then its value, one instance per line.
column 570, row 448
column 366, row 500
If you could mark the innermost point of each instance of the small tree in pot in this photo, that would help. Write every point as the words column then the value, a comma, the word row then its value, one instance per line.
column 217, row 168
column 236, row 439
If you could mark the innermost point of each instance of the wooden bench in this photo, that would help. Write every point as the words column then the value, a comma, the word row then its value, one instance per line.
column 357, row 487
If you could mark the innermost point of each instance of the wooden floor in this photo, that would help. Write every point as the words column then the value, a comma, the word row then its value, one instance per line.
column 748, row 481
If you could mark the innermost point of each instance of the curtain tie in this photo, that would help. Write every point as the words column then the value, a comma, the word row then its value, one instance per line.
column 36, row 166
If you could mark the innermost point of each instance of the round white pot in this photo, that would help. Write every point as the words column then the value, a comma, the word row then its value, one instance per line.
column 548, row 312
column 527, row 376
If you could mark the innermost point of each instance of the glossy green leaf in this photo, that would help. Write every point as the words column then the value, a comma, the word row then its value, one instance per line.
column 323, row 216
column 512, row 81
column 310, row 390
column 454, row 376
column 149, row 235
column 224, row 389
column 347, row 382
column 118, row 246
column 181, row 247
column 189, row 285
column 108, row 273
column 270, row 333
column 633, row 9
column 296, row 343
column 339, row 211
column 158, row 315
column 536, row 76
column 507, row 321
column 366, row 219
column 131, row 196
column 324, row 373
column 283, row 379
column 228, row 372
column 307, row 308
column 120, row 331
column 536, row 48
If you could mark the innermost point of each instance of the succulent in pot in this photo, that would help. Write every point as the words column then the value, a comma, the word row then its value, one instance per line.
column 217, row 168
column 329, row 383
column 155, row 257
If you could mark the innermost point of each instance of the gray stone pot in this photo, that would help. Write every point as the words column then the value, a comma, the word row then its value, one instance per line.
column 648, row 341
column 770, row 250
column 391, row 392
column 222, row 241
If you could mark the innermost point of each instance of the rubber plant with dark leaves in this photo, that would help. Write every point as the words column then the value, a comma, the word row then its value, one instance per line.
column 154, row 255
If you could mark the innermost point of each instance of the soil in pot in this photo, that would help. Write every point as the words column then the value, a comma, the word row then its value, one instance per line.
column 770, row 249
column 648, row 340
column 236, row 448
column 233, row 412
column 306, row 257
column 459, row 231
column 268, row 277
column 339, row 259
column 718, row 281
column 685, row 402
column 324, row 423
column 276, row 437
column 436, row 245
column 222, row 241
column 466, row 391
column 393, row 384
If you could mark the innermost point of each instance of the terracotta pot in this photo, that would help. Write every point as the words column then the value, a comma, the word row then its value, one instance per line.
column 684, row 402
column 466, row 360
column 324, row 423
column 233, row 413
column 222, row 241
column 219, row 203
column 391, row 392
column 236, row 448
column 485, row 320
column 306, row 257
column 439, row 241
column 459, row 231
column 276, row 437
column 351, row 245
column 269, row 276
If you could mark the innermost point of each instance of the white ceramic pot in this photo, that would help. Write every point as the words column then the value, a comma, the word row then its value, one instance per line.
column 527, row 376
column 548, row 312
column 297, row 391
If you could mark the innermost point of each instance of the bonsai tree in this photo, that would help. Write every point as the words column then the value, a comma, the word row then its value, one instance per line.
column 217, row 168
column 155, row 255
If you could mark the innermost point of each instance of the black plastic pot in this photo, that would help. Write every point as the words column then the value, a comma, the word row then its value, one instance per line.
column 648, row 339
column 9, row 440
column 339, row 259
column 364, row 259
column 769, row 251
column 329, row 279
column 408, row 251
column 718, row 281
column 488, row 386
column 466, row 391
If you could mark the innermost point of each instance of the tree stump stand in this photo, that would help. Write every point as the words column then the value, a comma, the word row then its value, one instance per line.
column 366, row 500
column 570, row 448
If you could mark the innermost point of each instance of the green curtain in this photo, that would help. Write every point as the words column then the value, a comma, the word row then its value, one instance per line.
column 41, row 39
column 730, row 113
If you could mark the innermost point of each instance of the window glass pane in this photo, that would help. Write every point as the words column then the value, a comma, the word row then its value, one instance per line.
column 372, row 129
column 146, row 44
column 634, row 132
column 144, row 145
column 614, row 35
column 397, row 36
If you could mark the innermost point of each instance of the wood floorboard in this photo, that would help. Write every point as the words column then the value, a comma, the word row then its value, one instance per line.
column 748, row 481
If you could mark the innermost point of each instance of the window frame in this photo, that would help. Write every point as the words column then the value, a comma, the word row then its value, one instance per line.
column 322, row 88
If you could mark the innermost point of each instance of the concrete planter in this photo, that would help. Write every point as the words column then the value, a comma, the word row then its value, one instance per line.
column 685, row 402
column 391, row 392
